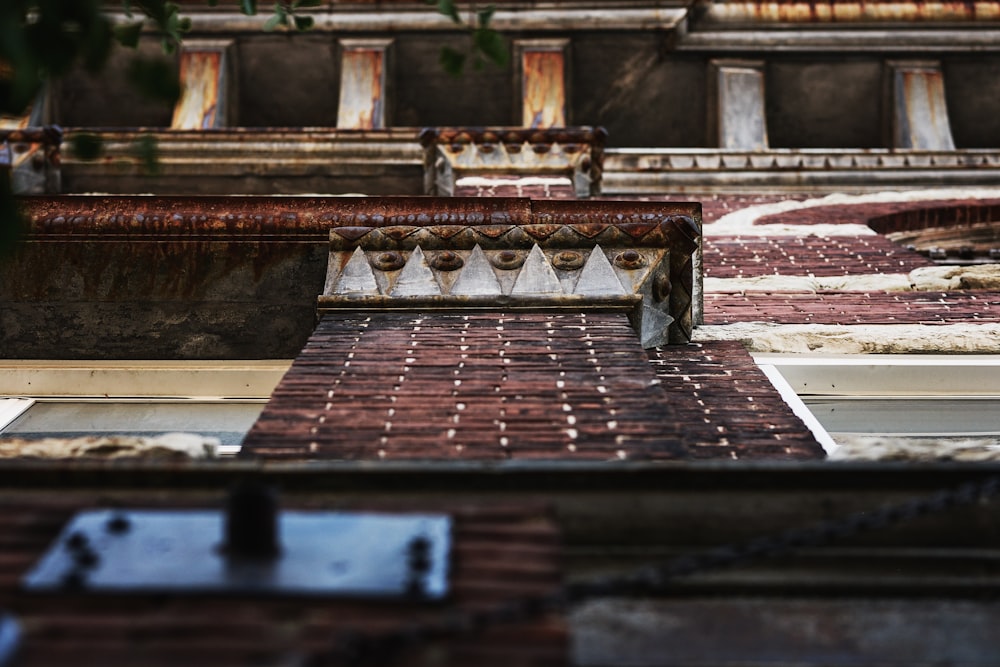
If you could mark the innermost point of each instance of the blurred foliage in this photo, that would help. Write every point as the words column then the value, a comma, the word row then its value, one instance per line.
column 86, row 146
column 11, row 222
column 486, row 44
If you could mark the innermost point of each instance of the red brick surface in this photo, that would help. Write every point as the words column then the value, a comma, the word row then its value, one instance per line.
column 853, row 307
column 728, row 407
column 498, row 554
column 715, row 206
column 751, row 256
column 468, row 386
column 747, row 257
column 525, row 386
column 942, row 210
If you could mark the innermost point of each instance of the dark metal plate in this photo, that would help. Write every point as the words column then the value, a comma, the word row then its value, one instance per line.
column 322, row 553
column 10, row 639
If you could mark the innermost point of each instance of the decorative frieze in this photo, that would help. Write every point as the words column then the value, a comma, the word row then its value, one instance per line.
column 566, row 255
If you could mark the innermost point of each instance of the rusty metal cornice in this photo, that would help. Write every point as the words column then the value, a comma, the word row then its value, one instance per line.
column 745, row 12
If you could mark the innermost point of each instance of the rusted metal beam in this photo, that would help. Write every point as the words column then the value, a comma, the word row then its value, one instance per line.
column 849, row 11
column 916, row 38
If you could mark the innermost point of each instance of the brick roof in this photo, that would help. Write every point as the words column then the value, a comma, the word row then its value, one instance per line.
column 474, row 386
column 727, row 407
column 519, row 386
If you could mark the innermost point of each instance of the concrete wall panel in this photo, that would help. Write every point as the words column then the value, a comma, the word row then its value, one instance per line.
column 107, row 99
column 824, row 103
column 972, row 89
column 288, row 81
column 642, row 95
column 427, row 95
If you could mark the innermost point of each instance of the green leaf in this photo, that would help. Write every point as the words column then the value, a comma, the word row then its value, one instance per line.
column 310, row 3
column 449, row 9
column 127, row 34
column 96, row 44
column 248, row 7
column 213, row 3
column 303, row 22
column 483, row 16
column 273, row 22
column 148, row 152
column 452, row 61
column 86, row 146
column 491, row 44
column 154, row 78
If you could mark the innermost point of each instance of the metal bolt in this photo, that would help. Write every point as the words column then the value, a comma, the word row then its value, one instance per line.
column 447, row 261
column 86, row 558
column 507, row 259
column 389, row 261
column 419, row 555
column 118, row 524
column 567, row 260
column 77, row 541
column 74, row 580
column 252, row 522
column 629, row 259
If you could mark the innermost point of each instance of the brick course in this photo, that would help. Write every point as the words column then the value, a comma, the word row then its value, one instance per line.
column 853, row 307
column 746, row 257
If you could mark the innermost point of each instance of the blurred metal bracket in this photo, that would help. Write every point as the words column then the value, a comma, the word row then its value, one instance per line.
column 345, row 554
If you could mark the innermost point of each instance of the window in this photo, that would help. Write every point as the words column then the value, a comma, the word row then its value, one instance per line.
column 951, row 401
column 61, row 399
